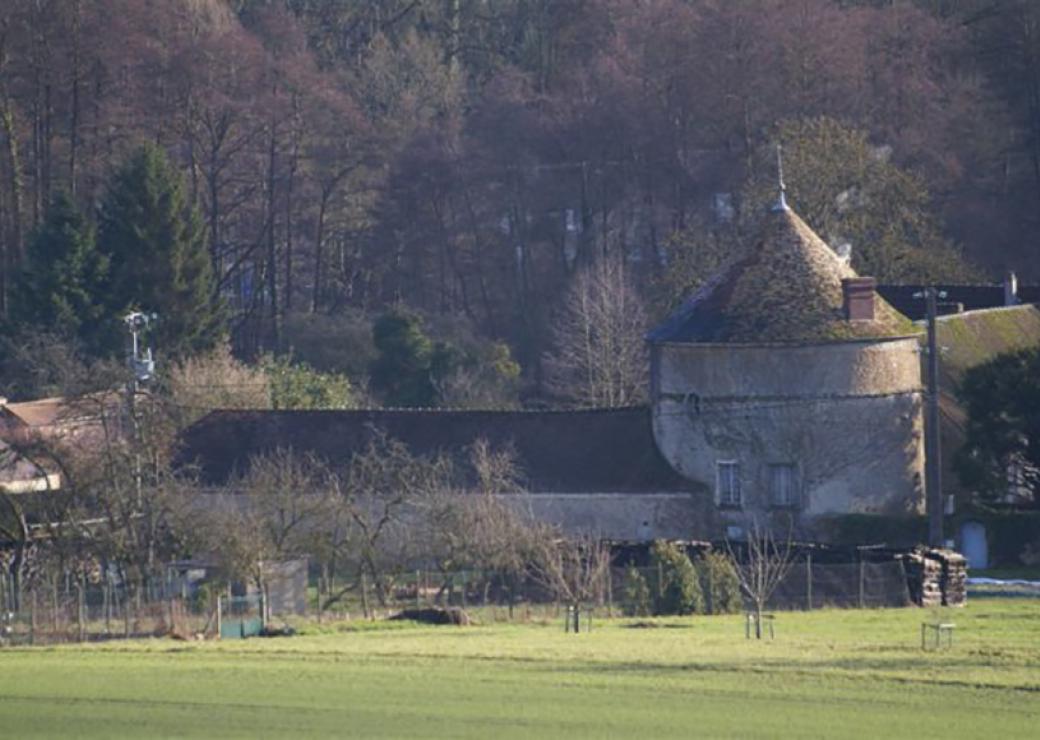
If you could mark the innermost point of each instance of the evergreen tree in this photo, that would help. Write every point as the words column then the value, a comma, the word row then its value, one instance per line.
column 403, row 368
column 62, row 288
column 677, row 587
column 1001, row 452
column 159, row 258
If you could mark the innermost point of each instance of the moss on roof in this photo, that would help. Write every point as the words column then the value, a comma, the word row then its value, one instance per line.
column 973, row 338
column 788, row 289
column 969, row 340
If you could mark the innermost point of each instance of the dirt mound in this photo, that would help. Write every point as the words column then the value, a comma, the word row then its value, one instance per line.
column 435, row 615
column 656, row 626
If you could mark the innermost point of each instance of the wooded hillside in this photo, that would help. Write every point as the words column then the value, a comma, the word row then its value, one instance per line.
column 467, row 158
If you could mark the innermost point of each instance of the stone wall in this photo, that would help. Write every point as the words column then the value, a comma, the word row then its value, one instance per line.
column 623, row 516
column 847, row 415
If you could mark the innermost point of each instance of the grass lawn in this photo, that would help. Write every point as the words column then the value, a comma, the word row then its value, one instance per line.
column 827, row 674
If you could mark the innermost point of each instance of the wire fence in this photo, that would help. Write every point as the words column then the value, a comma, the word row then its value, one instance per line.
column 44, row 616
column 861, row 585
column 807, row 585
column 70, row 611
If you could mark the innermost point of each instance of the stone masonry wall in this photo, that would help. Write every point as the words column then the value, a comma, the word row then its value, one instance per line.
column 847, row 415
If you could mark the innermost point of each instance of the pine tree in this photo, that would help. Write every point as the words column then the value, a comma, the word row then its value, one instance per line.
column 159, row 258
column 62, row 288
column 677, row 587
column 403, row 369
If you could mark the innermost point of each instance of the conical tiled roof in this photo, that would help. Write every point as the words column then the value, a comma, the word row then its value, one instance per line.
column 788, row 289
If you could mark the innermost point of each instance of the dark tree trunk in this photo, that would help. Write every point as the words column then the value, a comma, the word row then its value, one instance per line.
column 287, row 298
column 272, row 250
column 319, row 238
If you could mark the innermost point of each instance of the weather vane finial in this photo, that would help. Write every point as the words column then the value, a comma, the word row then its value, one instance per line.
column 781, row 203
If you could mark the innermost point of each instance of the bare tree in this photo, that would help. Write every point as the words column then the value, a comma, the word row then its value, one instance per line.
column 600, row 357
column 477, row 519
column 377, row 499
column 763, row 567
column 573, row 569
column 270, row 514
column 119, row 499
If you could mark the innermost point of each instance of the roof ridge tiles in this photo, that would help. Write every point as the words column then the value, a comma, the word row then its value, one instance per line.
column 434, row 410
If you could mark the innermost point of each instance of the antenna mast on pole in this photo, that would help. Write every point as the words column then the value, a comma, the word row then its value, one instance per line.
column 142, row 366
column 142, row 370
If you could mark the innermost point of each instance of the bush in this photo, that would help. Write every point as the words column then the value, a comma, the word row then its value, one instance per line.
column 678, row 589
column 299, row 387
column 216, row 380
column 720, row 584
column 636, row 593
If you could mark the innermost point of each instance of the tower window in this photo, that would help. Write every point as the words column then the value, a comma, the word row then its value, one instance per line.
column 727, row 483
column 783, row 484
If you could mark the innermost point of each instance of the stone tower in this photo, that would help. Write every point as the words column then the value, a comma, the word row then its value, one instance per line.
column 791, row 388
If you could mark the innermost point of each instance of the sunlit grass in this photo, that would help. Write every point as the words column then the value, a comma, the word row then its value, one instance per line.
column 828, row 674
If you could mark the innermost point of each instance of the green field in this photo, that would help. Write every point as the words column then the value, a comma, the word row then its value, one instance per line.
column 827, row 674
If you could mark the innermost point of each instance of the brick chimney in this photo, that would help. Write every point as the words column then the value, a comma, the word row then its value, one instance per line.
column 858, row 297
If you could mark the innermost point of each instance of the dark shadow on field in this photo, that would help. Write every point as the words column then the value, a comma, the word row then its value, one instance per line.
column 823, row 669
column 657, row 626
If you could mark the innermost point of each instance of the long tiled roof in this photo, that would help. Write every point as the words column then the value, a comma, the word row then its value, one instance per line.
column 787, row 289
column 585, row 451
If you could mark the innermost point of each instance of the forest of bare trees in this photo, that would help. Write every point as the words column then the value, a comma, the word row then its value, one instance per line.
column 468, row 159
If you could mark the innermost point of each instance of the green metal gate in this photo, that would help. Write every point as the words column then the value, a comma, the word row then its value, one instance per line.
column 241, row 616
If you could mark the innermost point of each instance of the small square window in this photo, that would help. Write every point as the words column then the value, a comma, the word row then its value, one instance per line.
column 783, row 484
column 727, row 483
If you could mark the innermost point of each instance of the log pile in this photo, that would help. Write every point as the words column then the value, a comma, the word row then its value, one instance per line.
column 954, row 578
column 936, row 577
column 923, row 577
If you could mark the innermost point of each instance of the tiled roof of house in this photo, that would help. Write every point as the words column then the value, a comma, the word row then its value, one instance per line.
column 968, row 340
column 787, row 289
column 583, row 451
column 51, row 414
column 40, row 413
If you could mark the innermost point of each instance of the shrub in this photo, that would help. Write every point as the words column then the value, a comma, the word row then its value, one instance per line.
column 299, row 387
column 636, row 593
column 720, row 584
column 216, row 380
column 678, row 587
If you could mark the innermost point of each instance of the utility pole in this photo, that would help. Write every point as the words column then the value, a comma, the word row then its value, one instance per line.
column 932, row 442
column 142, row 369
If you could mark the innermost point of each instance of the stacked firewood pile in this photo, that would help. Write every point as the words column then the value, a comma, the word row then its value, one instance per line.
column 954, row 578
column 923, row 577
column 936, row 577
